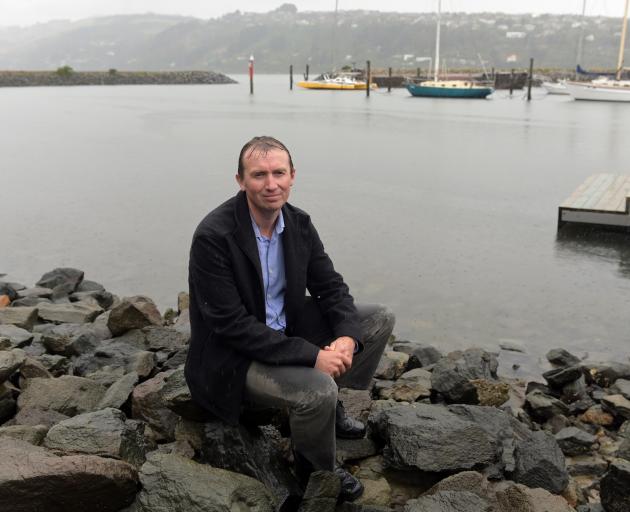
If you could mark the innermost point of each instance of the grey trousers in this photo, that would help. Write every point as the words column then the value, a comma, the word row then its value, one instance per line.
column 310, row 395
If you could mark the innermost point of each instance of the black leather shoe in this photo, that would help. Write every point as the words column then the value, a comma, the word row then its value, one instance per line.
column 347, row 427
column 351, row 487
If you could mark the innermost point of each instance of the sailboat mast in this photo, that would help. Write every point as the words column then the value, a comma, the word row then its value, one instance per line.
column 581, row 39
column 437, row 43
column 622, row 45
column 334, row 42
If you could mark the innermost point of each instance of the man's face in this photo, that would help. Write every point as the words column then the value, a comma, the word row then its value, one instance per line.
column 267, row 179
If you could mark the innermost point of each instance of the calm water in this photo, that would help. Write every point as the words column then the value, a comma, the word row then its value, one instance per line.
column 444, row 210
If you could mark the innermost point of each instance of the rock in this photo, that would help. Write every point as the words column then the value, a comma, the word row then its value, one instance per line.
column 255, row 452
column 174, row 483
column 391, row 365
column 376, row 492
column 411, row 386
column 559, row 377
column 540, row 463
column 147, row 405
column 621, row 386
column 519, row 498
column 355, row 449
column 30, row 302
column 7, row 403
column 176, row 360
column 63, row 281
column 432, row 438
column 420, row 355
column 574, row 441
column 112, row 354
column 36, row 291
column 75, row 313
column 30, row 434
column 104, row 433
column 54, row 364
column 586, row 465
column 448, row 501
column 133, row 313
column 89, row 286
column 544, row 407
column 5, row 343
column 33, row 479
column 20, row 317
column 616, row 404
column 321, row 492
column 597, row 416
column 575, row 391
column 183, row 302
column 67, row 394
column 491, row 393
column 512, row 346
column 357, row 402
column 33, row 417
column 560, row 357
column 17, row 336
column 606, row 375
column 614, row 487
column 10, row 362
column 32, row 368
column 72, row 339
column 101, row 297
column 164, row 338
column 118, row 393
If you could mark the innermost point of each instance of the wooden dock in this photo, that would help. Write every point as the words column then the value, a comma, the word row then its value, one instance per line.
column 602, row 200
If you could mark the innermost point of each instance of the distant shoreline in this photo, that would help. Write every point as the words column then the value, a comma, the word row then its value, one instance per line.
column 67, row 76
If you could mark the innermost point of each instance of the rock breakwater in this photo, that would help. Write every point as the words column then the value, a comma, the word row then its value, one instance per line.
column 113, row 77
column 95, row 413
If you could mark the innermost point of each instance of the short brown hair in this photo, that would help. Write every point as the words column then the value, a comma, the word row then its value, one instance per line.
column 263, row 144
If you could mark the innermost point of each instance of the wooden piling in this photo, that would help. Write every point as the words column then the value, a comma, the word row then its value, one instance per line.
column 389, row 82
column 291, row 77
column 251, row 74
column 369, row 79
column 511, row 81
column 306, row 74
column 530, row 79
column 417, row 72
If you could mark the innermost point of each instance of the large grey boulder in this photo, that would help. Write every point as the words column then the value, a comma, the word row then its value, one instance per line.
column 105, row 433
column 544, row 407
column 72, row 313
column 31, row 478
column 32, row 434
column 253, row 451
column 606, row 374
column 391, row 365
column 448, row 501
column 575, row 441
column 520, row 498
column 411, row 386
column 67, row 394
column 174, row 483
column 33, row 417
column 432, row 438
column 540, row 463
column 10, row 362
column 562, row 358
column 17, row 336
column 133, row 313
column 24, row 318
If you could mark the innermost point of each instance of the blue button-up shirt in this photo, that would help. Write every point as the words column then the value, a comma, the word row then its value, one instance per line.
column 271, row 255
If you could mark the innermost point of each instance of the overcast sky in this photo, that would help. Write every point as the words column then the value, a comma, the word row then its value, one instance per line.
column 28, row 12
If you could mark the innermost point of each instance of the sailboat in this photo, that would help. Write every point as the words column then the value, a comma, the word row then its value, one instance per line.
column 605, row 89
column 437, row 88
column 336, row 81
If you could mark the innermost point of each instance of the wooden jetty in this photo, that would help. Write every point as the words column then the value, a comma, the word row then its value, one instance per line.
column 602, row 200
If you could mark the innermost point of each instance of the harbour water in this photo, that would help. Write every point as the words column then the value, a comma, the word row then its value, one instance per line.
column 445, row 210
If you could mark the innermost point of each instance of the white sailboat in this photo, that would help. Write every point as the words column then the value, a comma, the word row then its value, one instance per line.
column 604, row 89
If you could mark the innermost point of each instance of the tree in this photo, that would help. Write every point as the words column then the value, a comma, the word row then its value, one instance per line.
column 65, row 71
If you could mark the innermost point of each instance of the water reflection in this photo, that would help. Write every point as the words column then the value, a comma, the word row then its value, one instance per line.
column 596, row 243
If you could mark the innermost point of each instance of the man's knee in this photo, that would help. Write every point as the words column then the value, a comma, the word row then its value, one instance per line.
column 377, row 321
column 321, row 393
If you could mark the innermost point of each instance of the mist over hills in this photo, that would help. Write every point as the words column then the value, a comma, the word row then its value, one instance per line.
column 285, row 36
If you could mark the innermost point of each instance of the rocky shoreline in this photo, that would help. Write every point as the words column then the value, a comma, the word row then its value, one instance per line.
column 95, row 414
column 112, row 77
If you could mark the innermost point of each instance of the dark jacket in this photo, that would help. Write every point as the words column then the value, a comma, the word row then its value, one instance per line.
column 227, row 307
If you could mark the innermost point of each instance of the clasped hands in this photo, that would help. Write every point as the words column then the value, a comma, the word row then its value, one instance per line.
column 336, row 358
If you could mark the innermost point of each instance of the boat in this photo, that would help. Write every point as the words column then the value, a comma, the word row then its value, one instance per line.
column 437, row 88
column 606, row 89
column 556, row 87
column 340, row 82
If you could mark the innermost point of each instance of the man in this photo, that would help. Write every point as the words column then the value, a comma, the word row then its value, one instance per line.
column 256, row 337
